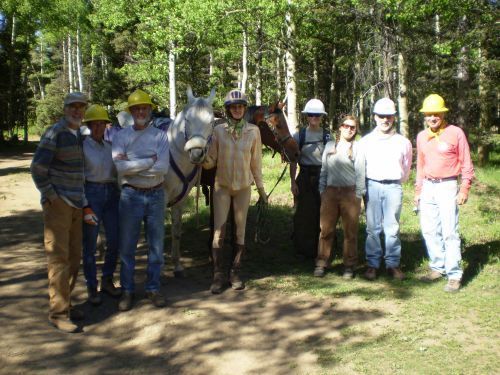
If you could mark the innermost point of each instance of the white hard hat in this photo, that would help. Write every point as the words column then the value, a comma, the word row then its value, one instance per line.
column 314, row 106
column 384, row 106
column 125, row 119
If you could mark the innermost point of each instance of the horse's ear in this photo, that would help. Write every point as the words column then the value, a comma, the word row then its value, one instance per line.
column 190, row 95
column 212, row 96
column 280, row 105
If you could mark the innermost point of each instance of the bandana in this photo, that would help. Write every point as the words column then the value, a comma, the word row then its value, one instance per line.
column 431, row 134
column 236, row 126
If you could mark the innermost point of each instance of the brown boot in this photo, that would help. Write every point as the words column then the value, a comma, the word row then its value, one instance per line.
column 220, row 270
column 109, row 287
column 234, row 276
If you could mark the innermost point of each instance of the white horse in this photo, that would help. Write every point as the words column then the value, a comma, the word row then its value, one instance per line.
column 189, row 137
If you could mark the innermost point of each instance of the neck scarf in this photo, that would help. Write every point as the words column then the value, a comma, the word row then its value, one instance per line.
column 236, row 126
column 435, row 134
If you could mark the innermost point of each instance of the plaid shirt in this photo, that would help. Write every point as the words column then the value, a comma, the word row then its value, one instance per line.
column 57, row 167
column 238, row 159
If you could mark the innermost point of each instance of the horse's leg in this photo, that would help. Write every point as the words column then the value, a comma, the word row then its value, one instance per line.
column 211, row 235
column 176, row 212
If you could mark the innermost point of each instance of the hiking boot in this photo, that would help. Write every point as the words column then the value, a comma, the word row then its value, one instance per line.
column 348, row 273
column 431, row 276
column 396, row 273
column 319, row 271
column 108, row 287
column 221, row 260
column 126, row 301
column 235, row 280
column 453, row 286
column 156, row 298
column 219, row 283
column 64, row 324
column 371, row 273
column 75, row 314
column 93, row 296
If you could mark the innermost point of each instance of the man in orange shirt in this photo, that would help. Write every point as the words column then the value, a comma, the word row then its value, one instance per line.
column 442, row 156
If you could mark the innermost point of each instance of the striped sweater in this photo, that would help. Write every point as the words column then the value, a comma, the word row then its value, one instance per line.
column 57, row 167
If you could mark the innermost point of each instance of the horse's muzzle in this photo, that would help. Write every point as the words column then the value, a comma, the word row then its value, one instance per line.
column 197, row 155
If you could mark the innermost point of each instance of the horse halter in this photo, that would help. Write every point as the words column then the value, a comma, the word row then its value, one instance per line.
column 188, row 136
column 281, row 141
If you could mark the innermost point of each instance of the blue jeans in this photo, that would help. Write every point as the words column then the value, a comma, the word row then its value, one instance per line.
column 383, row 209
column 439, row 223
column 136, row 206
column 103, row 199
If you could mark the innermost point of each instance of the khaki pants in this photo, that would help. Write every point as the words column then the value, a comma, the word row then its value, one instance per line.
column 63, row 246
column 339, row 202
column 222, row 203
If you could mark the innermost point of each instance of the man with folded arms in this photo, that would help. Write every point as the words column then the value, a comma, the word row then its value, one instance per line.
column 141, row 156
column 442, row 156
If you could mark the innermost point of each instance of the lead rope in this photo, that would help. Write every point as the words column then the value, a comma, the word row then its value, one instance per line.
column 263, row 225
column 198, row 180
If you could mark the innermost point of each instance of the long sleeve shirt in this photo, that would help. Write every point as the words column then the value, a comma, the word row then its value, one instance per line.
column 387, row 157
column 337, row 169
column 238, row 159
column 133, row 152
column 57, row 166
column 99, row 166
column 445, row 156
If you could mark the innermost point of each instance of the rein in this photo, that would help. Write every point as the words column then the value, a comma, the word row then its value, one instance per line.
column 184, row 179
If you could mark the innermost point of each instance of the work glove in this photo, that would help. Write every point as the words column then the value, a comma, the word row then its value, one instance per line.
column 262, row 195
column 89, row 217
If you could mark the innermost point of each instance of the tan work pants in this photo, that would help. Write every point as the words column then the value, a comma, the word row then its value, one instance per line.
column 222, row 203
column 63, row 246
column 339, row 202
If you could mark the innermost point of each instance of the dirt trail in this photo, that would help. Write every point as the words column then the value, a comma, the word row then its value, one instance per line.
column 250, row 332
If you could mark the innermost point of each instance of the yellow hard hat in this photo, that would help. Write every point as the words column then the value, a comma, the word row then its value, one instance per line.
column 96, row 112
column 433, row 104
column 139, row 97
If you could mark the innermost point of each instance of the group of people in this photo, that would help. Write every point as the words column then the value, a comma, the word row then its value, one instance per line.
column 335, row 175
column 115, row 177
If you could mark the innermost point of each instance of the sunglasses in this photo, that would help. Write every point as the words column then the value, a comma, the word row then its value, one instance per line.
column 385, row 116
column 350, row 127
column 314, row 115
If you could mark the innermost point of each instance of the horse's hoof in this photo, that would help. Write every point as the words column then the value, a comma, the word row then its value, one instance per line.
column 179, row 274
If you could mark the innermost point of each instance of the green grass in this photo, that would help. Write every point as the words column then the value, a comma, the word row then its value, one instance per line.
column 422, row 330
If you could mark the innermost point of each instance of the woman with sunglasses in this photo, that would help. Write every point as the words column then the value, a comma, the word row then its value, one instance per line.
column 312, row 140
column 341, row 185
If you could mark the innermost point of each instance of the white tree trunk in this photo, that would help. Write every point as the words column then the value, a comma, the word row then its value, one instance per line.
column 211, row 66
column 70, row 66
column 402, row 97
column 258, row 65
column 172, row 80
column 79, row 67
column 315, row 78
column 278, row 74
column 333, row 94
column 42, row 88
column 244, row 61
column 291, row 91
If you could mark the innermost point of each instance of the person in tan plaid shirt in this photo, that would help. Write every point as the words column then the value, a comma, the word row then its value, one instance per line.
column 236, row 151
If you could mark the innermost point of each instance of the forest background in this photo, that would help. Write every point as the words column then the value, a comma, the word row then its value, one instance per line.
column 348, row 53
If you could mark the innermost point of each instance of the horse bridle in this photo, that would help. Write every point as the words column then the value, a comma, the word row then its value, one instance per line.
column 281, row 141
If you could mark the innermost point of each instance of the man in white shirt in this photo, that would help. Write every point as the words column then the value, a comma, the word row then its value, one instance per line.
column 141, row 156
column 388, row 158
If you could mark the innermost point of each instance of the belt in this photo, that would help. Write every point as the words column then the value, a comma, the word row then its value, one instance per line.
column 438, row 180
column 386, row 181
column 100, row 183
column 143, row 189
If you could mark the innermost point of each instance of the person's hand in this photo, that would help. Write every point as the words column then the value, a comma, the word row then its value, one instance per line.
column 89, row 217
column 294, row 188
column 121, row 157
column 416, row 200
column 462, row 198
column 154, row 157
column 262, row 195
